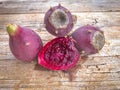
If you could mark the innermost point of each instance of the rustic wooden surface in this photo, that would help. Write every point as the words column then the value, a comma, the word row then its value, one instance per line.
column 96, row 72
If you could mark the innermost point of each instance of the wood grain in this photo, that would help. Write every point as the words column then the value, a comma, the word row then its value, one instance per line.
column 40, row 6
column 97, row 72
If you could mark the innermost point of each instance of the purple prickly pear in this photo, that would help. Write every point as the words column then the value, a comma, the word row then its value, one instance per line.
column 58, row 21
column 89, row 39
column 24, row 43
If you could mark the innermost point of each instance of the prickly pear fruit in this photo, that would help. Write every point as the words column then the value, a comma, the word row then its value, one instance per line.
column 59, row 21
column 59, row 54
column 89, row 39
column 24, row 43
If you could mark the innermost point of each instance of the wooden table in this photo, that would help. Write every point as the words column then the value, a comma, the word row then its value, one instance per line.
column 97, row 72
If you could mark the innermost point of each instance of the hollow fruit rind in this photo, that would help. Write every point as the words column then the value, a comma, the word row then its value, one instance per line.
column 24, row 43
column 59, row 54
column 58, row 21
column 89, row 39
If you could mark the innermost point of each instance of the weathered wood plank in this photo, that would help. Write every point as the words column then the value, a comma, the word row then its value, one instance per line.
column 41, row 6
column 71, row 86
column 94, row 68
column 102, row 72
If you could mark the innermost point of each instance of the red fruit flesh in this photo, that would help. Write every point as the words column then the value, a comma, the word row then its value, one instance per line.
column 89, row 39
column 58, row 21
column 24, row 43
column 59, row 54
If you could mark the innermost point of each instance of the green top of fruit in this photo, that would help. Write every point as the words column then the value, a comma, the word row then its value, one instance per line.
column 11, row 29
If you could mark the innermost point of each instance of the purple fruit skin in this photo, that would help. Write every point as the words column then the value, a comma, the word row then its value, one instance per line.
column 61, row 31
column 25, row 45
column 83, row 38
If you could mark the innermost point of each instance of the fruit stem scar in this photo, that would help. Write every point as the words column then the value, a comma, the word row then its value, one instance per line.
column 66, row 11
column 51, row 8
column 98, row 40
column 59, row 5
column 74, row 19
column 89, row 31
column 27, row 43
column 56, row 31
column 59, row 19
column 82, row 52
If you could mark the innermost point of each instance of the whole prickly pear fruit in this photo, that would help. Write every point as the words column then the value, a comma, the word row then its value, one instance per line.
column 59, row 21
column 89, row 39
column 24, row 43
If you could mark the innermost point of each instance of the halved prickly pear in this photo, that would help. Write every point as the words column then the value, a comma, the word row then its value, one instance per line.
column 59, row 54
